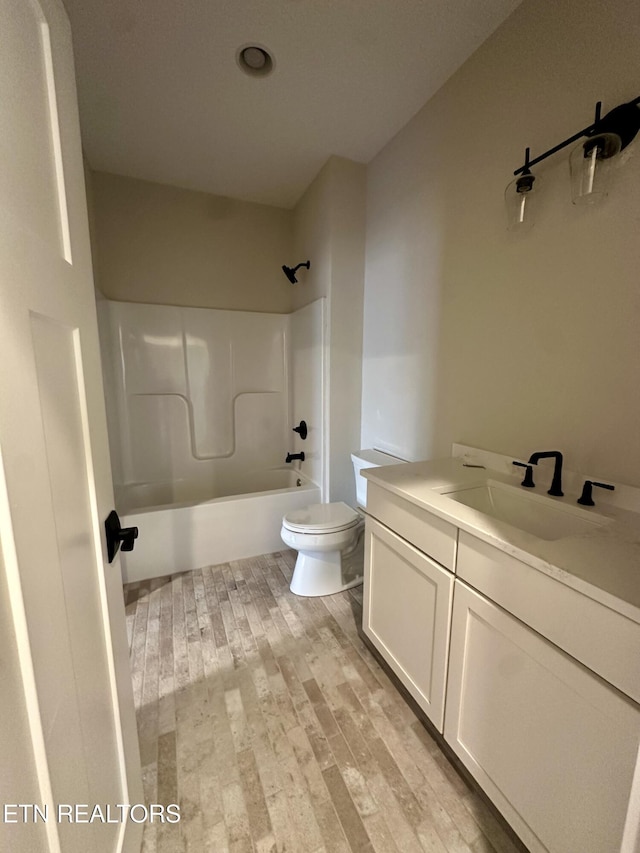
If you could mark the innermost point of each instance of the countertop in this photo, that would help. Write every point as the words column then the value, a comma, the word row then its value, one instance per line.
column 602, row 563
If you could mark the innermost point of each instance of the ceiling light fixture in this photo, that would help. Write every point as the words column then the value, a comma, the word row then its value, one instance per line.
column 255, row 60
column 605, row 138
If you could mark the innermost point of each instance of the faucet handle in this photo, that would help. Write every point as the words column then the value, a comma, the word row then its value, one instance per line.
column 586, row 498
column 528, row 477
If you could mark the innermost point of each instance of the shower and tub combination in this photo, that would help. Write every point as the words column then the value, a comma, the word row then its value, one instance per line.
column 204, row 406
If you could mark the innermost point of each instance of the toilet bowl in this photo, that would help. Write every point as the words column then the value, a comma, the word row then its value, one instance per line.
column 329, row 538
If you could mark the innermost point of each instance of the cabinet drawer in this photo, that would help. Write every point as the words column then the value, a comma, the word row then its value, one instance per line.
column 602, row 639
column 426, row 531
column 406, row 615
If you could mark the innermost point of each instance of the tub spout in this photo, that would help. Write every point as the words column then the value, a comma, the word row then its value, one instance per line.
column 292, row 456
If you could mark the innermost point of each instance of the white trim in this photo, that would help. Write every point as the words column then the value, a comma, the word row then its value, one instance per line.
column 100, row 570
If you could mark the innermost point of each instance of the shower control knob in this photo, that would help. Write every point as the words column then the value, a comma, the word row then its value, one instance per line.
column 301, row 429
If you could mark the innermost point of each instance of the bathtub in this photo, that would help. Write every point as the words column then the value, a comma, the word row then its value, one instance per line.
column 182, row 528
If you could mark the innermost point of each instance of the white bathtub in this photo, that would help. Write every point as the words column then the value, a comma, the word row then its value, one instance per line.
column 193, row 530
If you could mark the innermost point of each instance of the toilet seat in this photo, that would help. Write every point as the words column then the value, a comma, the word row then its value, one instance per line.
column 321, row 518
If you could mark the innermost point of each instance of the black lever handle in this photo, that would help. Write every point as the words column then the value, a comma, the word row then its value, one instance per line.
column 528, row 477
column 128, row 535
column 118, row 536
column 301, row 429
column 586, row 498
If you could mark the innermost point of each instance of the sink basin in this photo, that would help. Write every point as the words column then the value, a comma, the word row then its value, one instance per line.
column 531, row 513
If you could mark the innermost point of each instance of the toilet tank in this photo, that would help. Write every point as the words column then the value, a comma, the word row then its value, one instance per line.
column 368, row 459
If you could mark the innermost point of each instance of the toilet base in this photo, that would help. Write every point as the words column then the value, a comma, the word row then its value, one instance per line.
column 329, row 572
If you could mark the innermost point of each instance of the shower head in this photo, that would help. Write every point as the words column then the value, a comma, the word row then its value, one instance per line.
column 291, row 272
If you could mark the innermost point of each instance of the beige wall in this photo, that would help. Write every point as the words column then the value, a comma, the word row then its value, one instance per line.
column 329, row 230
column 472, row 333
column 312, row 234
column 164, row 245
column 88, row 185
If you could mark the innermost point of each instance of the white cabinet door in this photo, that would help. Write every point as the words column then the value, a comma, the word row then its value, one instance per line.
column 407, row 611
column 552, row 744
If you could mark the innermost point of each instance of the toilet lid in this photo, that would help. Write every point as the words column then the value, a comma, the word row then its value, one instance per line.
column 321, row 518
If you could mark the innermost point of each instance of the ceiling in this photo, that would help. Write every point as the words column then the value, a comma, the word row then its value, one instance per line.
column 162, row 98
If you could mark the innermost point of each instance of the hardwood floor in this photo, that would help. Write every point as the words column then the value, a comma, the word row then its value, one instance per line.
column 272, row 725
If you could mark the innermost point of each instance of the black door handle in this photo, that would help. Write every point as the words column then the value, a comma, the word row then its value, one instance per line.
column 117, row 535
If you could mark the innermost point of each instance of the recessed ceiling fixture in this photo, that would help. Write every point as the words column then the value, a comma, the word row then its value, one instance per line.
column 255, row 60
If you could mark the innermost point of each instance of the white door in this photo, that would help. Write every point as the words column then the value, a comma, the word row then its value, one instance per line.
column 68, row 724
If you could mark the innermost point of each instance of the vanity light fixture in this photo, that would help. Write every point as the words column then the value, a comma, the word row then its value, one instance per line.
column 589, row 161
column 520, row 198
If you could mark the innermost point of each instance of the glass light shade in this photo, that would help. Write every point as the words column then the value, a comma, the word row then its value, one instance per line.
column 520, row 197
column 589, row 165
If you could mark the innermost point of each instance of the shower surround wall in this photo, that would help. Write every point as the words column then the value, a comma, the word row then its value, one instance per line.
column 202, row 402
column 307, row 382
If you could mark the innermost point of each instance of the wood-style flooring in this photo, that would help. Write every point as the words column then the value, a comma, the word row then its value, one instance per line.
column 267, row 719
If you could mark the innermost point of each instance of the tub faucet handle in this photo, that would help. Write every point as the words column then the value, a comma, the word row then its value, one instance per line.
column 292, row 456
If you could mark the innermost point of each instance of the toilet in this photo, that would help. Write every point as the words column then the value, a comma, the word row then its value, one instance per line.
column 329, row 538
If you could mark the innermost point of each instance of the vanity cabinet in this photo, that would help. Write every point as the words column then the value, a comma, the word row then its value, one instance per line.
column 553, row 745
column 534, row 684
column 406, row 615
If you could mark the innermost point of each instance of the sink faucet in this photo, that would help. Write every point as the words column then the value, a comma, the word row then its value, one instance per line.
column 556, row 483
